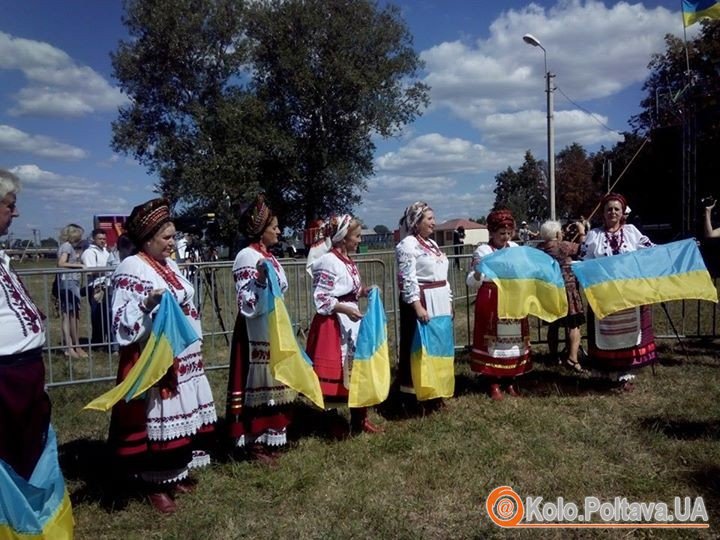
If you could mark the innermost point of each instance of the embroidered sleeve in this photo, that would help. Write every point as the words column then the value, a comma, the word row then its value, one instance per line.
column 639, row 239
column 251, row 295
column 589, row 246
column 130, row 322
column 407, row 274
column 324, row 280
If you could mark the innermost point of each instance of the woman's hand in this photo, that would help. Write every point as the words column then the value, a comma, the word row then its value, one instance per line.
column 351, row 311
column 366, row 290
column 261, row 271
column 153, row 299
column 422, row 315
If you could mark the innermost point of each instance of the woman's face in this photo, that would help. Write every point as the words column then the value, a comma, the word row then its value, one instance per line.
column 352, row 239
column 426, row 226
column 161, row 246
column 502, row 236
column 271, row 234
column 612, row 214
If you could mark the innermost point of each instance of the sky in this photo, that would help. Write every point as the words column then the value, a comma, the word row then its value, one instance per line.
column 488, row 102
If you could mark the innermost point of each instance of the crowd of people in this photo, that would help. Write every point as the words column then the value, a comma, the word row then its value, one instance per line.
column 159, row 438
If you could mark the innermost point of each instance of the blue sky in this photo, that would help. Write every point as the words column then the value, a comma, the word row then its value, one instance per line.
column 488, row 101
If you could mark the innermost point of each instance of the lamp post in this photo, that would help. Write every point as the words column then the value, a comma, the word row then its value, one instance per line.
column 532, row 40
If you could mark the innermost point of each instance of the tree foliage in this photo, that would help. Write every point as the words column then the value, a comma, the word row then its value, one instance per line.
column 524, row 192
column 575, row 192
column 228, row 98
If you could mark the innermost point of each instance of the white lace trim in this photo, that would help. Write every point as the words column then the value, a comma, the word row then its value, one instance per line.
column 164, row 477
column 200, row 459
column 164, row 429
column 271, row 397
column 272, row 437
column 240, row 441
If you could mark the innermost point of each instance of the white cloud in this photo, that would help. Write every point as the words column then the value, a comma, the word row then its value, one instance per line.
column 14, row 140
column 58, row 85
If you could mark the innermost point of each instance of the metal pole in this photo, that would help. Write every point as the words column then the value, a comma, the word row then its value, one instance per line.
column 551, row 143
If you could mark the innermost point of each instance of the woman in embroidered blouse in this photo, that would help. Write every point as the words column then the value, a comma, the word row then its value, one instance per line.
column 160, row 437
column 501, row 347
column 258, row 412
column 624, row 340
column 334, row 329
column 424, row 289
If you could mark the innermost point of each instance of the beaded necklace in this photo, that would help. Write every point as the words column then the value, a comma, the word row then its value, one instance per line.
column 615, row 241
column 163, row 270
column 265, row 253
column 350, row 265
column 428, row 246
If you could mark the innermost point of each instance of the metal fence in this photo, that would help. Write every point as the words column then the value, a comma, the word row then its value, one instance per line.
column 216, row 300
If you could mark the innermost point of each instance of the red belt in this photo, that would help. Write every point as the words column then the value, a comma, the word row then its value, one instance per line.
column 432, row 284
column 349, row 297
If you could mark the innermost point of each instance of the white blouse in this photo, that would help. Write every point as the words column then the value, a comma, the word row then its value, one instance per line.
column 599, row 243
column 21, row 322
column 418, row 262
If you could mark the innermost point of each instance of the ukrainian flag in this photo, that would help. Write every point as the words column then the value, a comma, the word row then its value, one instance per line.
column 289, row 363
column 673, row 271
column 171, row 335
column 432, row 357
column 529, row 282
column 370, row 376
column 38, row 508
column 694, row 10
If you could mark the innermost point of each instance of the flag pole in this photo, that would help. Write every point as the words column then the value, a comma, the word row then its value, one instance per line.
column 687, row 55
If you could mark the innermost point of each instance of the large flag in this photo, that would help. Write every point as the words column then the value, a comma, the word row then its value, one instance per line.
column 289, row 363
column 38, row 508
column 171, row 334
column 694, row 10
column 370, row 376
column 529, row 282
column 673, row 271
column 432, row 359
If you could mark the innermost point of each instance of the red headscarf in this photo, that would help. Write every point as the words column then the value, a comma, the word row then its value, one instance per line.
column 500, row 219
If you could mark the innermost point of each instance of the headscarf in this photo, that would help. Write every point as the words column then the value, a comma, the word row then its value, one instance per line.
column 499, row 219
column 146, row 219
column 256, row 218
column 412, row 216
column 623, row 204
column 333, row 232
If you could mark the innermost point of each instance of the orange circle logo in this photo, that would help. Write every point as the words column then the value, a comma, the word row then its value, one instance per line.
column 505, row 507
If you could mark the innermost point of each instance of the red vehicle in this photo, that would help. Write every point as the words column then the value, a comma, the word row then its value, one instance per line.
column 113, row 226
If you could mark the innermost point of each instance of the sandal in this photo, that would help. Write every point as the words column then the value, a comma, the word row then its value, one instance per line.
column 573, row 365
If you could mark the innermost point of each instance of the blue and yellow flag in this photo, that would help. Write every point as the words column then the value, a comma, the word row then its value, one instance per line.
column 289, row 363
column 171, row 334
column 370, row 376
column 432, row 359
column 694, row 10
column 38, row 508
column 529, row 282
column 673, row 271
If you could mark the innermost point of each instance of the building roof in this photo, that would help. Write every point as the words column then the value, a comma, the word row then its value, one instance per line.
column 453, row 224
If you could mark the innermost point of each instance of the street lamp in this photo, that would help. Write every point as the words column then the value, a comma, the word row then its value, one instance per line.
column 532, row 40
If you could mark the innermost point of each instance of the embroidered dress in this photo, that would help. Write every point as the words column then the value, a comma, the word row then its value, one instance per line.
column 24, row 404
column 255, row 412
column 501, row 347
column 159, row 436
column 623, row 340
column 332, row 337
column 422, row 275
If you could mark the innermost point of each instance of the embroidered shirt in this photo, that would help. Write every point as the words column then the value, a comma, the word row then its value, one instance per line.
column 21, row 322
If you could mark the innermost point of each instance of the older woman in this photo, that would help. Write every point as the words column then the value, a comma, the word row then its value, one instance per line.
column 257, row 404
column 563, row 251
column 334, row 329
column 158, row 438
column 68, row 256
column 501, row 347
column 24, row 404
column 625, row 340
column 424, row 289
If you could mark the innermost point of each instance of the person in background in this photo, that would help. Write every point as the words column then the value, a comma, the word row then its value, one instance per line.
column 24, row 403
column 160, row 437
column 258, row 405
column 622, row 341
column 68, row 257
column 424, row 289
column 458, row 242
column 564, row 252
column 334, row 329
column 97, row 256
column 524, row 232
column 501, row 347
column 710, row 203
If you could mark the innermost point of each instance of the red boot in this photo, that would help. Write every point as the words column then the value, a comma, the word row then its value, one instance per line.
column 162, row 502
column 359, row 422
column 495, row 393
column 512, row 391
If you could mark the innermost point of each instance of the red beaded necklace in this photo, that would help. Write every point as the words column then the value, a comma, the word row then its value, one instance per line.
column 163, row 270
column 260, row 248
column 428, row 246
column 349, row 263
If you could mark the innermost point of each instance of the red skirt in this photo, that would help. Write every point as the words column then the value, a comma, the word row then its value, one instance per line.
column 323, row 347
column 485, row 337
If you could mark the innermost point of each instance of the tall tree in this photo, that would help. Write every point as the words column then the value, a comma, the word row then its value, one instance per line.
column 523, row 192
column 332, row 73
column 575, row 193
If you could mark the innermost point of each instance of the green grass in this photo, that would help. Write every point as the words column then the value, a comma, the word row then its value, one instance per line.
column 428, row 477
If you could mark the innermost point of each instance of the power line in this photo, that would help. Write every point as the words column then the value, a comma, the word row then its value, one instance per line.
column 593, row 115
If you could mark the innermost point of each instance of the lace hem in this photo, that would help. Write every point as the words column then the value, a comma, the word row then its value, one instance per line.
column 166, row 429
column 200, row 459
column 271, row 398
column 164, row 477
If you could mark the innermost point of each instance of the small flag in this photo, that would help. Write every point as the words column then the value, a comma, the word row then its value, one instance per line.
column 289, row 363
column 370, row 376
column 171, row 335
column 529, row 282
column 674, row 271
column 432, row 359
column 38, row 508
column 695, row 10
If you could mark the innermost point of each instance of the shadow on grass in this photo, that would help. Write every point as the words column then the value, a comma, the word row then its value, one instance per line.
column 679, row 428
column 706, row 478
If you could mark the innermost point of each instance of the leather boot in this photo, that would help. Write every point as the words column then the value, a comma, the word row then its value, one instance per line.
column 511, row 390
column 162, row 502
column 185, row 486
column 495, row 393
column 359, row 422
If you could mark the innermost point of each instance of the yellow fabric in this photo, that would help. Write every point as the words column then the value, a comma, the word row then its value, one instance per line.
column 433, row 376
column 59, row 527
column 370, row 379
column 518, row 298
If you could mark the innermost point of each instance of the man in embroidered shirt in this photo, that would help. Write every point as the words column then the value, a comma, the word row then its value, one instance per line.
column 97, row 256
column 24, row 404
